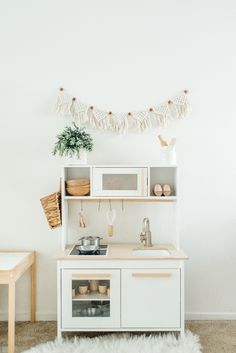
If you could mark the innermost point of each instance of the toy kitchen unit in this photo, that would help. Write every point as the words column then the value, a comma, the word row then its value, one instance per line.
column 106, row 286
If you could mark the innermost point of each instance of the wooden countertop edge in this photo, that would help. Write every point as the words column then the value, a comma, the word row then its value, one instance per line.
column 179, row 254
column 105, row 258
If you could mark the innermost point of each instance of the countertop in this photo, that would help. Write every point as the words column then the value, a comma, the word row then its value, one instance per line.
column 123, row 251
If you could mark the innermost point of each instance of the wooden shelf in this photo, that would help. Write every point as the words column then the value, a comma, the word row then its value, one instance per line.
column 118, row 198
column 90, row 297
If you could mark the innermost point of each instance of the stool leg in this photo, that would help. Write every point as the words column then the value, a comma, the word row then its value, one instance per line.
column 11, row 317
column 33, row 293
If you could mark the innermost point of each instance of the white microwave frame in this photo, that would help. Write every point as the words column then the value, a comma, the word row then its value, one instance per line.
column 142, row 178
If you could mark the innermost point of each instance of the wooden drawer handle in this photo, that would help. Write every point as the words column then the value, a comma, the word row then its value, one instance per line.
column 91, row 275
column 150, row 275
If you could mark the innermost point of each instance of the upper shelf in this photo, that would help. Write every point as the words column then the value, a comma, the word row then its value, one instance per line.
column 120, row 165
column 122, row 182
column 123, row 198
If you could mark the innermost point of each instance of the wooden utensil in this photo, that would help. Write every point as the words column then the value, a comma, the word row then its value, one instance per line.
column 81, row 217
column 162, row 142
column 111, row 216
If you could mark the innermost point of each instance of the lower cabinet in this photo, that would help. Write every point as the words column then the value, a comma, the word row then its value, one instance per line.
column 90, row 298
column 150, row 298
column 120, row 298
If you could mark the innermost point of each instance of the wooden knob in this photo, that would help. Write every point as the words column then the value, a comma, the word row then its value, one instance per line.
column 129, row 113
column 73, row 99
column 185, row 91
column 170, row 102
column 91, row 107
column 151, row 109
column 61, row 89
column 110, row 113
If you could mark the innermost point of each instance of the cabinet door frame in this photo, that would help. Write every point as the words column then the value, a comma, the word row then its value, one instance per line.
column 134, row 285
column 70, row 322
column 97, row 187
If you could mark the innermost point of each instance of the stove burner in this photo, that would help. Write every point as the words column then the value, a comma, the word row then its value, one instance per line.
column 81, row 252
column 101, row 251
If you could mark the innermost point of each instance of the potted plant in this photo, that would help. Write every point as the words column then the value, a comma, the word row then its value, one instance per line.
column 73, row 143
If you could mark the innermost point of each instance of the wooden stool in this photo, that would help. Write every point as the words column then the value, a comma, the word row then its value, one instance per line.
column 13, row 264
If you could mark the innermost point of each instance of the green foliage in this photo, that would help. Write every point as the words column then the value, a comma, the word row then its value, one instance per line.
column 72, row 140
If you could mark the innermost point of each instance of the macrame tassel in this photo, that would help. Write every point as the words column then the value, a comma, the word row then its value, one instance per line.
column 74, row 109
column 102, row 119
column 119, row 123
column 82, row 112
column 104, row 124
column 91, row 118
column 183, row 110
column 161, row 119
column 78, row 111
column 83, row 117
column 63, row 103
column 181, row 104
column 162, row 114
column 143, row 121
column 173, row 110
column 125, row 126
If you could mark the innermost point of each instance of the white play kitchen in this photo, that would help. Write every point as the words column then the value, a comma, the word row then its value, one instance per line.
column 106, row 286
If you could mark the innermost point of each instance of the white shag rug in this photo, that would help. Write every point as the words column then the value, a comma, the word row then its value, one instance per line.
column 123, row 343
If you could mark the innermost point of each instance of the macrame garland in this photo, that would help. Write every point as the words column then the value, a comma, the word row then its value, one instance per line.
column 159, row 115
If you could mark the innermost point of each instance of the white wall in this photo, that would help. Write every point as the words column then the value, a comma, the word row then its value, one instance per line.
column 122, row 55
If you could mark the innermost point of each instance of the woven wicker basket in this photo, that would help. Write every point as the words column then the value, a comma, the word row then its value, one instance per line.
column 52, row 209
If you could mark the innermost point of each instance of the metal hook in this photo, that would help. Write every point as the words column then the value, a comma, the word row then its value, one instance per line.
column 81, row 205
column 122, row 205
column 110, row 205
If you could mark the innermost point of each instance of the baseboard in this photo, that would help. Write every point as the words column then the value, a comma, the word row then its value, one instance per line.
column 52, row 316
column 210, row 315
column 40, row 316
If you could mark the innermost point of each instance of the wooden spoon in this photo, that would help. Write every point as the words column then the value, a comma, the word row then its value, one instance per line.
column 162, row 142
column 111, row 216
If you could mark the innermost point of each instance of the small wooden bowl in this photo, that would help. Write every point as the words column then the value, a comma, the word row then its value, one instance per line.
column 78, row 190
column 78, row 182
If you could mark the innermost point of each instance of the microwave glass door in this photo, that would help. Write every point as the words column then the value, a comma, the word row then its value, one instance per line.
column 119, row 181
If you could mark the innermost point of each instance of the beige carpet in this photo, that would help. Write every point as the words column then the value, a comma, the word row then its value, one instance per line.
column 215, row 336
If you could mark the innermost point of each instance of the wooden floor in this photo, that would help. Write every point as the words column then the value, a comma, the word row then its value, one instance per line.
column 215, row 336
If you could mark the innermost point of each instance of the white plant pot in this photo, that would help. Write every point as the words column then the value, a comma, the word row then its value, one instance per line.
column 168, row 155
column 75, row 160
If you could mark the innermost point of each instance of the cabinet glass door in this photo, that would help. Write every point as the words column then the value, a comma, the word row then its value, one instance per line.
column 90, row 298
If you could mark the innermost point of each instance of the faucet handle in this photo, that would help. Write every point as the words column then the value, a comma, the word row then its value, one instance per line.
column 142, row 237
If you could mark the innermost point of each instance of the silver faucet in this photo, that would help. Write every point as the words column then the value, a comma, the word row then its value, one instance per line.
column 146, row 236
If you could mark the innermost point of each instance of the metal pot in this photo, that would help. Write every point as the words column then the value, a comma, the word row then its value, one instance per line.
column 89, row 243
